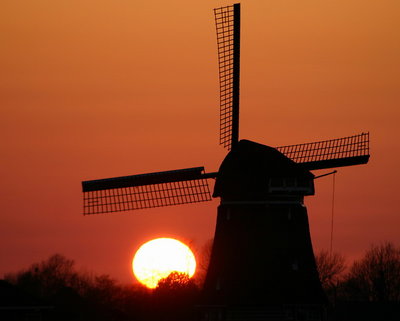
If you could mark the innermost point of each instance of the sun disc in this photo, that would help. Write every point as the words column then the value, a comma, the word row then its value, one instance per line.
column 157, row 258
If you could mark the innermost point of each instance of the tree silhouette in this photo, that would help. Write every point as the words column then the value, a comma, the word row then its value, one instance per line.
column 46, row 278
column 175, row 297
column 330, row 268
column 74, row 294
column 376, row 277
column 176, row 281
column 203, row 260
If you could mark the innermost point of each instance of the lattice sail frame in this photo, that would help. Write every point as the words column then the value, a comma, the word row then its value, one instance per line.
column 146, row 191
column 346, row 151
column 227, row 22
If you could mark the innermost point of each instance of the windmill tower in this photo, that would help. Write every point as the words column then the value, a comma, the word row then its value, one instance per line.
column 262, row 265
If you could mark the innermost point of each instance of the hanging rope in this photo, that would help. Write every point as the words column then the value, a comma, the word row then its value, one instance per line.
column 333, row 209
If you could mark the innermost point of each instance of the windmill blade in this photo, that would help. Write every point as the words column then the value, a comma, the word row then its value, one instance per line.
column 227, row 21
column 346, row 151
column 134, row 192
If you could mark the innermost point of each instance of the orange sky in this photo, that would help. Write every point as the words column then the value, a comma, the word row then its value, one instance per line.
column 92, row 89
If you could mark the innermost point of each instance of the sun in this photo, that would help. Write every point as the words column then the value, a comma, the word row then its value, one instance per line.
column 157, row 258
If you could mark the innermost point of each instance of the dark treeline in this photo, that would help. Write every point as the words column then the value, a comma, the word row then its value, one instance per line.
column 77, row 295
column 369, row 289
column 374, row 278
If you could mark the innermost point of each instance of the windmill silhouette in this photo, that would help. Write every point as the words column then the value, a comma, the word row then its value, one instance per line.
column 262, row 263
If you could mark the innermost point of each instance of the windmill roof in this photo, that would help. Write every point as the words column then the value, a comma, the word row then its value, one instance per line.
column 245, row 171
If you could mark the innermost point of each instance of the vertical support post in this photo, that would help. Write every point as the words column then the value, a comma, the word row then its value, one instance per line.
column 236, row 74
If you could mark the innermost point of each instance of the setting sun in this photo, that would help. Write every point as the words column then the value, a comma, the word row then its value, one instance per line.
column 157, row 258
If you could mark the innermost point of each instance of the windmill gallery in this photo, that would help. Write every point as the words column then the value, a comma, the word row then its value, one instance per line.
column 261, row 191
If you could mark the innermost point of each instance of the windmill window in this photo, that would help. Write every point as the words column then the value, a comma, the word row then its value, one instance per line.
column 289, row 184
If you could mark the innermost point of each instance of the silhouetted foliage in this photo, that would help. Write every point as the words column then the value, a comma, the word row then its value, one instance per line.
column 83, row 296
column 376, row 277
column 176, row 281
column 203, row 260
column 330, row 268
column 175, row 297
column 46, row 278
column 372, row 281
column 75, row 294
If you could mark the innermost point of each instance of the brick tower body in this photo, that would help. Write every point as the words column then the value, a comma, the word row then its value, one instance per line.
column 262, row 265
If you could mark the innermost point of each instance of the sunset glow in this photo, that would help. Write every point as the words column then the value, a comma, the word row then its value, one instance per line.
column 157, row 258
column 97, row 89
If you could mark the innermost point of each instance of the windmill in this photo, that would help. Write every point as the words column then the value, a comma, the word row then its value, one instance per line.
column 262, row 263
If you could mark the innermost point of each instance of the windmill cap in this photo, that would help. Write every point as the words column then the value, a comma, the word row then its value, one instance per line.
column 252, row 171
